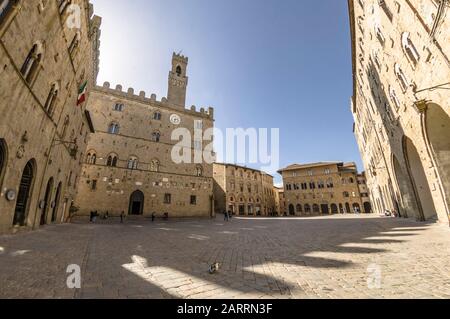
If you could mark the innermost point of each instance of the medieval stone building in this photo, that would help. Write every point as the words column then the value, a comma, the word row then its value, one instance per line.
column 243, row 191
column 48, row 51
column 324, row 189
column 129, row 165
column 401, row 103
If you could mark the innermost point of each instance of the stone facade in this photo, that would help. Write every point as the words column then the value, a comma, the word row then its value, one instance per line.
column 44, row 59
column 280, row 201
column 324, row 188
column 129, row 165
column 401, row 68
column 243, row 191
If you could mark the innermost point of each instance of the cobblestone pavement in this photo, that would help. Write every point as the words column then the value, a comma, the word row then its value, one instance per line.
column 330, row 257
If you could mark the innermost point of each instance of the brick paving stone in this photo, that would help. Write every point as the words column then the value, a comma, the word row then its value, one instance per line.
column 323, row 257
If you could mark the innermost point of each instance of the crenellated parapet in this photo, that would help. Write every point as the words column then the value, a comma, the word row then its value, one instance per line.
column 152, row 100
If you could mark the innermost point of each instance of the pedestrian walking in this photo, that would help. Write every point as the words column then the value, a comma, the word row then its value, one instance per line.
column 225, row 216
column 122, row 216
column 153, row 217
column 230, row 215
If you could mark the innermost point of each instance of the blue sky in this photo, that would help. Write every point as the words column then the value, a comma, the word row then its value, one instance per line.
column 260, row 63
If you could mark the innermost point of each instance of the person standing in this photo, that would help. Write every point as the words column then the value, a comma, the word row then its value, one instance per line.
column 122, row 216
column 153, row 217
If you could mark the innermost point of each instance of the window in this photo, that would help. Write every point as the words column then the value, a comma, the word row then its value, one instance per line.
column 51, row 99
column 3, row 159
column 154, row 165
column 199, row 171
column 91, row 158
column 327, row 171
column 5, row 8
column 30, row 67
column 386, row 9
column 62, row 5
column 346, row 194
column 379, row 34
column 74, row 44
column 118, row 107
column 330, row 183
column 179, row 71
column 321, row 185
column 94, row 185
column 132, row 163
column 157, row 116
column 193, row 200
column 401, row 77
column 167, row 198
column 410, row 49
column 156, row 137
column 394, row 97
column 299, row 208
column 114, row 128
column 112, row 160
column 312, row 185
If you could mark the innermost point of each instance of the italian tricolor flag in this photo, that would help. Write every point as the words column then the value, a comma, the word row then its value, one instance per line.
column 82, row 94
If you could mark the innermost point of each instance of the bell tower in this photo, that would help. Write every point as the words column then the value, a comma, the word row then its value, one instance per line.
column 178, row 81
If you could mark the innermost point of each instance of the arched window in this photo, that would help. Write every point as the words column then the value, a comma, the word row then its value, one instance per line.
column 133, row 163
column 379, row 34
column 307, row 208
column 316, row 208
column 63, row 4
column 74, row 44
column 299, row 208
column 114, row 128
column 51, row 99
column 6, row 7
column 156, row 137
column 118, row 107
column 394, row 97
column 30, row 67
column 91, row 157
column 401, row 77
column 154, row 165
column 65, row 126
column 112, row 160
column 157, row 116
column 3, row 160
column 410, row 49
column 199, row 171
column 179, row 71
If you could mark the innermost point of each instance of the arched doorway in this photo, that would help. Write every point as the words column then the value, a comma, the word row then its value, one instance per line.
column 348, row 210
column 316, row 209
column 334, row 209
column 3, row 159
column 367, row 208
column 47, row 199
column 341, row 209
column 56, row 203
column 136, row 203
column 291, row 210
column 419, row 179
column 307, row 209
column 25, row 188
column 437, row 124
column 356, row 208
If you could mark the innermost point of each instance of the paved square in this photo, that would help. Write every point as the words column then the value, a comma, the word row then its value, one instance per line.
column 330, row 257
